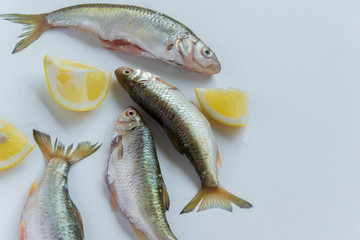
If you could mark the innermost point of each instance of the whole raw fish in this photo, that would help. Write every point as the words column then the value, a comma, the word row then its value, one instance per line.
column 134, row 178
column 49, row 212
column 131, row 29
column 188, row 129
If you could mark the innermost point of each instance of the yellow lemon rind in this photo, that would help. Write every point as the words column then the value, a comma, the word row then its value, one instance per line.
column 234, row 122
column 17, row 158
column 83, row 107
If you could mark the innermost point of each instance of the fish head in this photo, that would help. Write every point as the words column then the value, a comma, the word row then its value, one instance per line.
column 129, row 77
column 128, row 120
column 198, row 56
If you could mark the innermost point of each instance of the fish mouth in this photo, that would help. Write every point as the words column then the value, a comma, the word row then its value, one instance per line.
column 212, row 69
column 198, row 67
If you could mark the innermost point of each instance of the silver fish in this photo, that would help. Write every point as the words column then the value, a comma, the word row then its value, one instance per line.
column 49, row 212
column 187, row 128
column 134, row 178
column 126, row 28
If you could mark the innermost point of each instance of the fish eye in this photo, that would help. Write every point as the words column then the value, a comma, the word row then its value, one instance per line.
column 206, row 52
column 127, row 72
column 130, row 113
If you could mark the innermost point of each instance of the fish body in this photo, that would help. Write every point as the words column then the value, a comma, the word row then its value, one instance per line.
column 126, row 28
column 134, row 178
column 49, row 212
column 187, row 128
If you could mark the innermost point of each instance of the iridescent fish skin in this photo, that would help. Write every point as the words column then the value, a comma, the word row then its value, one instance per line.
column 126, row 28
column 187, row 128
column 49, row 212
column 134, row 178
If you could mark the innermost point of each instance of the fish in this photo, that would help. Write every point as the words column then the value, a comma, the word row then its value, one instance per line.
column 134, row 179
column 49, row 212
column 126, row 28
column 189, row 131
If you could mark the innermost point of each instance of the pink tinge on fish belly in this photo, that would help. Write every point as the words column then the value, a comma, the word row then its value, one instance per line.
column 125, row 46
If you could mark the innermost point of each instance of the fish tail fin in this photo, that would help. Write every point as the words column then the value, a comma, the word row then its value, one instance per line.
column 214, row 197
column 83, row 149
column 35, row 24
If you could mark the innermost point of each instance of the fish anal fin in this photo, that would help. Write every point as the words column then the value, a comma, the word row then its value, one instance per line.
column 33, row 187
column 113, row 198
column 138, row 232
column 170, row 85
column 218, row 159
column 166, row 198
column 22, row 235
column 125, row 46
column 215, row 197
column 78, row 217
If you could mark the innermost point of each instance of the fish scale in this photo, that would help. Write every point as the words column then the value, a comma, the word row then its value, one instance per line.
column 134, row 178
column 187, row 128
column 126, row 28
column 49, row 212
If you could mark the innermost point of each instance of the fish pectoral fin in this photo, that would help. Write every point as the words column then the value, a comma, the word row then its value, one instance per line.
column 78, row 217
column 138, row 232
column 125, row 46
column 113, row 198
column 166, row 198
column 33, row 187
column 22, row 235
column 170, row 85
column 218, row 159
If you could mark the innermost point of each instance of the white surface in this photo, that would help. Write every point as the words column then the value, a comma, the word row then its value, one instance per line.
column 297, row 160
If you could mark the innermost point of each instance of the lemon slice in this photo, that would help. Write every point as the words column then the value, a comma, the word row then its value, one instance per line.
column 74, row 85
column 228, row 106
column 14, row 146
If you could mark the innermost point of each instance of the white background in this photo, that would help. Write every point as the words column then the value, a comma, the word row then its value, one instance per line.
column 297, row 160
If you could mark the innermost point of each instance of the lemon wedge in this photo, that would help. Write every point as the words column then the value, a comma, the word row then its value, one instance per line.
column 14, row 146
column 74, row 85
column 228, row 106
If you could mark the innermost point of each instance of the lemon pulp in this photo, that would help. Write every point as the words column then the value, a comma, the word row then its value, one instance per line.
column 14, row 145
column 76, row 86
column 228, row 106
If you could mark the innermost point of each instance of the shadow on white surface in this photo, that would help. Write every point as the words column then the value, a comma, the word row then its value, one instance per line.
column 60, row 114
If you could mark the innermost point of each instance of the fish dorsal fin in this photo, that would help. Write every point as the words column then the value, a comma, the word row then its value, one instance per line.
column 78, row 217
column 218, row 159
column 138, row 232
column 33, row 187
column 166, row 199
column 163, row 81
